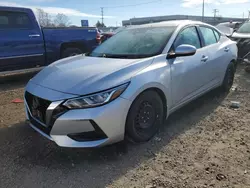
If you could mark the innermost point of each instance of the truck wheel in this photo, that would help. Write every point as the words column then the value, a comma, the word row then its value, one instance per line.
column 145, row 117
column 71, row 52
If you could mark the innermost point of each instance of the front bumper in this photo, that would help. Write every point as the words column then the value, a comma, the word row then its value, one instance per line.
column 74, row 128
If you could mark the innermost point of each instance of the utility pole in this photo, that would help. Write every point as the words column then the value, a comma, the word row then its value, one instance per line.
column 203, row 7
column 248, row 14
column 102, row 14
column 215, row 11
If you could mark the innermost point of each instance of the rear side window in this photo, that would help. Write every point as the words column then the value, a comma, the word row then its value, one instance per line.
column 14, row 20
column 208, row 35
column 188, row 36
column 217, row 35
column 4, row 20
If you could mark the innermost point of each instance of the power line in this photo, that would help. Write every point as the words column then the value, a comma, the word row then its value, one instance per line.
column 132, row 5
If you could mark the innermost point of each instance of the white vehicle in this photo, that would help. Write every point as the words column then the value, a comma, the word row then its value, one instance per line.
column 128, row 85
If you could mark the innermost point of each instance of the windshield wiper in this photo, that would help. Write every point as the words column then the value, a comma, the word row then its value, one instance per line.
column 122, row 56
column 125, row 56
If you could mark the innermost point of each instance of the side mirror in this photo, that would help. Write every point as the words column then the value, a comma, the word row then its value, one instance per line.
column 183, row 50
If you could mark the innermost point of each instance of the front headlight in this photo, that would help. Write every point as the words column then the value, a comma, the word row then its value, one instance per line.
column 97, row 99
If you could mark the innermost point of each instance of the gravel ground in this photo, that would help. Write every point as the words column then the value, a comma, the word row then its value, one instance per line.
column 205, row 144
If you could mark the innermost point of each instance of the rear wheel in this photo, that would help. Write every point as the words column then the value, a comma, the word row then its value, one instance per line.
column 229, row 78
column 71, row 52
column 145, row 117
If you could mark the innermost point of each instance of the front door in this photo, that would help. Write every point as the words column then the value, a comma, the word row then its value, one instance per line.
column 187, row 73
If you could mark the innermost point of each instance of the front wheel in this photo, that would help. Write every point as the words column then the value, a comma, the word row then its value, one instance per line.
column 229, row 78
column 145, row 117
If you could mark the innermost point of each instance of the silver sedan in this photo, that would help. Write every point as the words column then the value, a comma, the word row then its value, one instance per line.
column 127, row 86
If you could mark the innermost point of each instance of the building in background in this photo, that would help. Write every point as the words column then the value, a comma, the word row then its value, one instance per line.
column 209, row 20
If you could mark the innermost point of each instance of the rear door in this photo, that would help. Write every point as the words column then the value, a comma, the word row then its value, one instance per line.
column 187, row 73
column 21, row 41
column 217, row 52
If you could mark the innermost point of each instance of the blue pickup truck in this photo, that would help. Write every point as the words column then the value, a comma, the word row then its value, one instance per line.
column 24, row 44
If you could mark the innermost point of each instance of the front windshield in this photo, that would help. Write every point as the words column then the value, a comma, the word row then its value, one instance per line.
column 135, row 43
column 119, row 29
column 245, row 28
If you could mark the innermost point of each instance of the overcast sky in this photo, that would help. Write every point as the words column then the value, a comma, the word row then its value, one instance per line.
column 90, row 9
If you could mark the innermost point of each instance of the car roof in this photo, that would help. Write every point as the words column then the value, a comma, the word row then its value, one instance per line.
column 7, row 8
column 174, row 23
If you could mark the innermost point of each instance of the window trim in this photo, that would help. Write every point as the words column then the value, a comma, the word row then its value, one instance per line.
column 186, row 27
column 218, row 35
column 201, row 35
column 31, row 25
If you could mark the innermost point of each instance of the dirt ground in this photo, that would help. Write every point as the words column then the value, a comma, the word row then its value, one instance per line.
column 205, row 144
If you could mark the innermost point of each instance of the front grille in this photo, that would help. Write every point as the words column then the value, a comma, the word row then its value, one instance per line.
column 37, row 106
column 35, row 123
column 37, row 112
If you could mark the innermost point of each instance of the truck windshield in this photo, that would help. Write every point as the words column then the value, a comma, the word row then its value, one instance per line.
column 245, row 28
column 135, row 43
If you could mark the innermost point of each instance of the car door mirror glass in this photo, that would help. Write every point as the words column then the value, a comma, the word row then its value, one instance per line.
column 183, row 50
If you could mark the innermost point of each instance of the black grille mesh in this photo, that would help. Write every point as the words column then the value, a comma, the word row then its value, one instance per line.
column 37, row 106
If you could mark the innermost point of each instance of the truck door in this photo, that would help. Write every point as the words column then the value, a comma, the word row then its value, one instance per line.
column 21, row 41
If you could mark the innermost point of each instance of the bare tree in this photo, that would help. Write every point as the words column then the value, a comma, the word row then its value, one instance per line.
column 99, row 24
column 44, row 18
column 61, row 20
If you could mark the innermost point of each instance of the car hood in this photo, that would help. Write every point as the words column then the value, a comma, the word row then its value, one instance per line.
column 243, row 43
column 241, row 35
column 82, row 75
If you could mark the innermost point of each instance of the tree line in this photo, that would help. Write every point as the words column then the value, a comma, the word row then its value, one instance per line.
column 60, row 20
column 46, row 20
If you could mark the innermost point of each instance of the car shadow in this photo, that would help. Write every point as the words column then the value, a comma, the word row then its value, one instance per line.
column 30, row 156
column 15, row 81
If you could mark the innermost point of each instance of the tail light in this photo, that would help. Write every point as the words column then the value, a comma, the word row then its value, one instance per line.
column 98, row 38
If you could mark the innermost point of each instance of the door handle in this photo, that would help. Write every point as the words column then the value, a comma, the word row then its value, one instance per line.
column 204, row 58
column 226, row 49
column 34, row 35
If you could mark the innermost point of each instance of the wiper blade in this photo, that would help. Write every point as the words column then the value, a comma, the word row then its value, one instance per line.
column 126, row 56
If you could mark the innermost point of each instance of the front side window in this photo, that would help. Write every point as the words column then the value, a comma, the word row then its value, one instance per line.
column 188, row 36
column 135, row 43
column 14, row 20
column 208, row 35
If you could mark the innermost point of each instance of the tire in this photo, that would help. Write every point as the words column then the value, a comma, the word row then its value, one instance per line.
column 145, row 117
column 229, row 78
column 71, row 52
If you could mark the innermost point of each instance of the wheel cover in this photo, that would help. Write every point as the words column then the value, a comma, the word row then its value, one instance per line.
column 145, row 117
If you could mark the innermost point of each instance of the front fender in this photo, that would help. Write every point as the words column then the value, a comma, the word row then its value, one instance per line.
column 157, row 75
